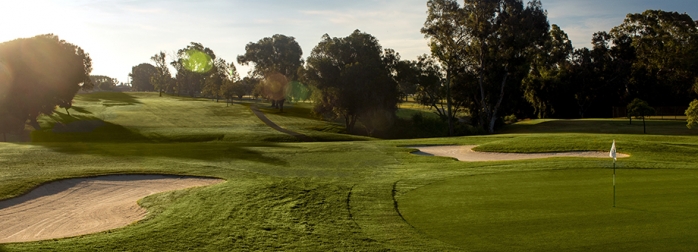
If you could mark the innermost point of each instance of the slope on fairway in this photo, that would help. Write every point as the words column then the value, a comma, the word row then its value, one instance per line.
column 560, row 210
column 81, row 206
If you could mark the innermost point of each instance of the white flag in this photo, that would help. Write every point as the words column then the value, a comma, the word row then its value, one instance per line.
column 613, row 150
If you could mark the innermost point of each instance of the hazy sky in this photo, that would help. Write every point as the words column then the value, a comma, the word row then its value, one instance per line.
column 119, row 34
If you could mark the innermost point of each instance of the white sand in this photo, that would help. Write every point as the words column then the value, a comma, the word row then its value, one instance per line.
column 74, row 207
column 467, row 154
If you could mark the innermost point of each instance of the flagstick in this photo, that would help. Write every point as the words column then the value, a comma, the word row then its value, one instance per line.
column 614, row 183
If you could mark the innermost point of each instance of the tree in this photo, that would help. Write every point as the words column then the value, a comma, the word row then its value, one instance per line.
column 407, row 77
column 36, row 75
column 245, row 87
column 161, row 79
column 141, row 77
column 501, row 33
column 278, row 54
column 640, row 108
column 218, row 76
column 228, row 91
column 431, row 90
column 352, row 80
column 665, row 48
column 193, row 64
column 102, row 82
column 544, row 87
column 447, row 40
column 692, row 114
column 274, row 87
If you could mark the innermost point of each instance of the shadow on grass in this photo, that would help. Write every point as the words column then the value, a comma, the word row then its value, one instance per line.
column 601, row 126
column 89, row 135
column 212, row 151
column 80, row 110
column 110, row 98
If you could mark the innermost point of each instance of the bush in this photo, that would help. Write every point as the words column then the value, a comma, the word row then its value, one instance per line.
column 510, row 119
column 692, row 114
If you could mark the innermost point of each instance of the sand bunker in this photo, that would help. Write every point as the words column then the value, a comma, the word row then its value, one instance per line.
column 466, row 153
column 81, row 206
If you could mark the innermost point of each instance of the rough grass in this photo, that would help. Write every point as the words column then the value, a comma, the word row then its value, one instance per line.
column 285, row 195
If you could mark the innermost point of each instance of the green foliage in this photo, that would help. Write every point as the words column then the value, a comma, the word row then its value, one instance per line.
column 355, row 85
column 545, row 86
column 692, row 114
column 639, row 109
column 161, row 79
column 194, row 64
column 494, row 39
column 275, row 59
column 102, row 82
column 142, row 77
column 510, row 119
column 275, row 54
column 664, row 55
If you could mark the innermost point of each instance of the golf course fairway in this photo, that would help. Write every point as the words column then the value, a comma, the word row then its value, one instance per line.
column 560, row 210
column 343, row 192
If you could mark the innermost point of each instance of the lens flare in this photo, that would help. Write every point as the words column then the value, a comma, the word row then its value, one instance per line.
column 274, row 86
column 197, row 61
column 6, row 79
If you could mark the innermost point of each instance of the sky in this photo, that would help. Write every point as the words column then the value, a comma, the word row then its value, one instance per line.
column 120, row 34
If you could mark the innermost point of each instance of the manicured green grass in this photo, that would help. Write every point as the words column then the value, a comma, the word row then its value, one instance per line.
column 560, row 210
column 601, row 126
column 282, row 194
column 298, row 117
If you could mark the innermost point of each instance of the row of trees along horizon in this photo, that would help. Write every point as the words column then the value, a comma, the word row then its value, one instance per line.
column 489, row 59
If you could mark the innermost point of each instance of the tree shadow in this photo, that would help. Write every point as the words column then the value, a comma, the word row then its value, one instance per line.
column 208, row 151
column 113, row 98
column 80, row 110
column 601, row 126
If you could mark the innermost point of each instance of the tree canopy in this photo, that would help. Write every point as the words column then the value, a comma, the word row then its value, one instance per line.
column 271, row 56
column 353, row 80
column 142, row 77
column 36, row 75
column 193, row 64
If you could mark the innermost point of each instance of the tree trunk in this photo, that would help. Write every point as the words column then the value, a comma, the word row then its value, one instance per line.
column 448, row 103
column 34, row 124
column 644, row 128
column 273, row 103
column 493, row 118
column 160, row 92
column 66, row 110
column 281, row 104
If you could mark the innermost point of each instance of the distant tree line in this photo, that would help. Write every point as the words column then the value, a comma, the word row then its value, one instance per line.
column 489, row 59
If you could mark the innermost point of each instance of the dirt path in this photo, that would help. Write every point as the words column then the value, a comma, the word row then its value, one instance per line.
column 81, row 206
column 273, row 125
column 467, row 154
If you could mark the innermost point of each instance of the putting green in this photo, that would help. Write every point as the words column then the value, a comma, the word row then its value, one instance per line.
column 560, row 210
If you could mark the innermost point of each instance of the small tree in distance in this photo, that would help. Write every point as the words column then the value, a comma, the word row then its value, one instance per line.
column 640, row 108
column 692, row 114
